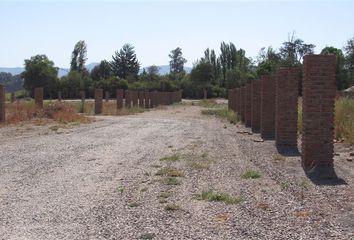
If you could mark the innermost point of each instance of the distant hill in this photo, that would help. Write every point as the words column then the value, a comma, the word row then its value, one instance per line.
column 163, row 69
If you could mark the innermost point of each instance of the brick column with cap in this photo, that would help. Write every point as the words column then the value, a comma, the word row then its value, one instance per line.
column 319, row 92
column 248, row 105
column 256, row 106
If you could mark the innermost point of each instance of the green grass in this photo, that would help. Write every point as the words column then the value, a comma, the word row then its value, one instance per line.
column 251, row 174
column 218, row 197
column 344, row 119
column 224, row 113
column 171, row 181
column 172, row 207
column 133, row 205
column 164, row 195
column 172, row 158
column 169, row 172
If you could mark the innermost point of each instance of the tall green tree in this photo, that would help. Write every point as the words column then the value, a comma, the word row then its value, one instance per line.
column 202, row 74
column 341, row 74
column 101, row 71
column 40, row 72
column 124, row 62
column 177, row 62
column 78, row 57
column 349, row 60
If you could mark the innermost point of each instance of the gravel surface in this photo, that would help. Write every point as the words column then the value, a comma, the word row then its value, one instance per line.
column 99, row 181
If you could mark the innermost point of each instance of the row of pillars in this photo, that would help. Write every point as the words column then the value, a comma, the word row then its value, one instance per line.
column 142, row 99
column 269, row 105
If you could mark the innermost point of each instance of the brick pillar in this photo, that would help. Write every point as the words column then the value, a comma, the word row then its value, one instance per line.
column 2, row 103
column 59, row 96
column 229, row 99
column 233, row 100
column 141, row 99
column 128, row 100
column 205, row 94
column 152, row 99
column 242, row 103
column 119, row 98
column 134, row 95
column 38, row 97
column 248, row 105
column 319, row 91
column 256, row 106
column 267, row 106
column 98, row 100
column 13, row 98
column 147, row 99
column 286, row 92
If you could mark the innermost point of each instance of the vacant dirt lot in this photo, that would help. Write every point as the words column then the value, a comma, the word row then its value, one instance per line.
column 104, row 181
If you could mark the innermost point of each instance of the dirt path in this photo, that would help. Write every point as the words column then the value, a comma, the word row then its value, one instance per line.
column 99, row 181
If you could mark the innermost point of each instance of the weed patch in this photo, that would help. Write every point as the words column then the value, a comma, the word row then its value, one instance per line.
column 251, row 174
column 218, row 197
column 171, row 181
column 172, row 158
column 223, row 113
column 169, row 172
column 172, row 207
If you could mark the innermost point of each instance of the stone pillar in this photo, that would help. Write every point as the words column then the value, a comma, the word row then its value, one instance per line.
column 248, row 105
column 106, row 95
column 242, row 103
column 128, row 100
column 141, row 99
column 38, row 97
column 256, row 106
column 267, row 106
column 2, row 103
column 319, row 91
column 59, row 96
column 286, row 91
column 147, row 99
column 13, row 98
column 119, row 98
column 134, row 96
column 98, row 100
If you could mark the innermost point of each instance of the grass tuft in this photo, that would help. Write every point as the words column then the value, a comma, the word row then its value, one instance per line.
column 171, row 181
column 172, row 158
column 172, row 207
column 169, row 172
column 218, row 197
column 251, row 174
column 224, row 113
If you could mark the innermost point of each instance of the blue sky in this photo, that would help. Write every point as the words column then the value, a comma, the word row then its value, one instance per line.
column 156, row 27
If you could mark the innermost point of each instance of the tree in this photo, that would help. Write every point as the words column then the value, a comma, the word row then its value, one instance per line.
column 349, row 60
column 40, row 72
column 268, row 61
column 293, row 51
column 152, row 73
column 124, row 63
column 202, row 74
column 341, row 74
column 101, row 71
column 78, row 57
column 177, row 62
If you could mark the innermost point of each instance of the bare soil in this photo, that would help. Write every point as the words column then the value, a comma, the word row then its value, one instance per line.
column 99, row 181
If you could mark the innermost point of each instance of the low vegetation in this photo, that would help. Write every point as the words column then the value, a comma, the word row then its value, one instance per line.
column 172, row 207
column 59, row 112
column 224, row 113
column 209, row 103
column 212, row 196
column 344, row 119
column 172, row 158
column 171, row 181
column 251, row 174
column 169, row 172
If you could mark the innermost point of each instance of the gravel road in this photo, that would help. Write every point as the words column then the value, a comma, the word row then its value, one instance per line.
column 99, row 181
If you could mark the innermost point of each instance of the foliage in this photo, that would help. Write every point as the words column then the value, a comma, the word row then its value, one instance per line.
column 12, row 83
column 124, row 63
column 40, row 72
column 101, row 71
column 177, row 62
column 78, row 57
column 212, row 196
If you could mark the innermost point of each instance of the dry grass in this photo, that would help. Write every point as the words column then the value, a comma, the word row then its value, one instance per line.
column 26, row 111
column 108, row 109
column 344, row 119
